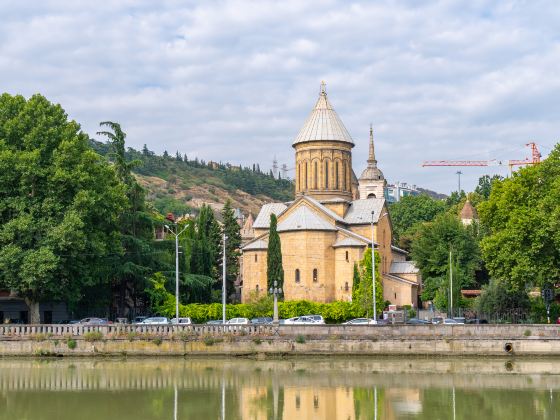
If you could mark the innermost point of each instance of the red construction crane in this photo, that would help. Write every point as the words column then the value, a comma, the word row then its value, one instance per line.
column 535, row 159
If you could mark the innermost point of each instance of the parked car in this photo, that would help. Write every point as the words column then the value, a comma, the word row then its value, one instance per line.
column 94, row 321
column 214, row 322
column 450, row 321
column 238, row 321
column 360, row 321
column 437, row 320
column 460, row 320
column 317, row 318
column 416, row 321
column 477, row 321
column 261, row 320
column 300, row 320
column 156, row 320
column 182, row 321
column 139, row 319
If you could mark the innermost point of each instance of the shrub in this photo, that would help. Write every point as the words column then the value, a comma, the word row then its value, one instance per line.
column 210, row 341
column 157, row 341
column 300, row 339
column 93, row 336
column 257, row 341
column 527, row 333
column 71, row 343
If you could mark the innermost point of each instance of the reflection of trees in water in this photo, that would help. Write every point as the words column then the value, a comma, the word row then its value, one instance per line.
column 268, row 390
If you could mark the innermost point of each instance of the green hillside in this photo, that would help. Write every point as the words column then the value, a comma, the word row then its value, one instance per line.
column 180, row 185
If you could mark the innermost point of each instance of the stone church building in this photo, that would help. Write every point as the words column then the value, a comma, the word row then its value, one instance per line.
column 328, row 226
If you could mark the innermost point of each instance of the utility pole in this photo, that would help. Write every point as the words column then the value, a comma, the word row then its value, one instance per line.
column 224, row 282
column 177, row 234
column 459, row 173
column 373, row 268
column 450, row 283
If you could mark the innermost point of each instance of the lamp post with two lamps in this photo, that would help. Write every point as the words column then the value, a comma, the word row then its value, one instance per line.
column 171, row 218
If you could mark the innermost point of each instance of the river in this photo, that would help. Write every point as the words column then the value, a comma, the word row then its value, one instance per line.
column 293, row 389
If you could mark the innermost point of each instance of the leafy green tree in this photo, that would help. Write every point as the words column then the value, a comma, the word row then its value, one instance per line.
column 59, row 205
column 497, row 298
column 522, row 218
column 411, row 210
column 484, row 186
column 364, row 293
column 430, row 251
column 274, row 269
column 232, row 231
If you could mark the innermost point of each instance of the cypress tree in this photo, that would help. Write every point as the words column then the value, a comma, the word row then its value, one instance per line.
column 355, row 283
column 233, row 243
column 274, row 270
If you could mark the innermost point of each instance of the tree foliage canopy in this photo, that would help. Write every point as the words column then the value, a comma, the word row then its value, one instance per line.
column 59, row 203
column 522, row 216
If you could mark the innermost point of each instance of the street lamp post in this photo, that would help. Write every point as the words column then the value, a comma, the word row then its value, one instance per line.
column 176, row 234
column 373, row 267
column 224, row 289
column 275, row 291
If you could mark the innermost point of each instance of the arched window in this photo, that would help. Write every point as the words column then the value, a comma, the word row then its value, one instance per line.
column 299, row 176
column 315, row 275
column 346, row 287
column 305, row 175
column 344, row 185
column 336, row 178
column 326, row 174
column 297, row 275
column 346, row 256
column 315, row 170
column 255, row 257
column 257, row 288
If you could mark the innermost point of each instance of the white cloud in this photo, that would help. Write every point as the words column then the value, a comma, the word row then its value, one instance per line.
column 234, row 80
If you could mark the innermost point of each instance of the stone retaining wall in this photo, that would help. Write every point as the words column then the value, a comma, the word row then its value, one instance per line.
column 268, row 340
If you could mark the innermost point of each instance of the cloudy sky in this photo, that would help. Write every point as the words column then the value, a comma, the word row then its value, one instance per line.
column 235, row 80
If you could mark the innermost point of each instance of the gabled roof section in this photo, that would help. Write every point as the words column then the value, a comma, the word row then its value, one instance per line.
column 399, row 250
column 399, row 279
column 359, row 212
column 323, row 123
column 257, row 245
column 323, row 208
column 403, row 267
column 263, row 219
column 348, row 242
column 304, row 218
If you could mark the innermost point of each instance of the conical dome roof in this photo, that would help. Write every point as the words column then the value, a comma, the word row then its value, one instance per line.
column 323, row 123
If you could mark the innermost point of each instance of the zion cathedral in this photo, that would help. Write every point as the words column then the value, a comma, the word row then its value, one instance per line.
column 328, row 226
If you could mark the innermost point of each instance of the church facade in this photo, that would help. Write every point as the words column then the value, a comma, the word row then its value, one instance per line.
column 328, row 226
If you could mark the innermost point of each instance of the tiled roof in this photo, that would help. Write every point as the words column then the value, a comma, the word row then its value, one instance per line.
column 403, row 267
column 259, row 244
column 468, row 211
column 304, row 218
column 399, row 250
column 347, row 242
column 359, row 212
column 263, row 219
column 399, row 279
column 323, row 123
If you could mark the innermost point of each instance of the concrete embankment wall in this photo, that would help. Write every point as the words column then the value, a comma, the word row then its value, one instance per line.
column 268, row 340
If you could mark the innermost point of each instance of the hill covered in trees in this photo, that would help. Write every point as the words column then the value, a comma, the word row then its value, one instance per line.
column 180, row 185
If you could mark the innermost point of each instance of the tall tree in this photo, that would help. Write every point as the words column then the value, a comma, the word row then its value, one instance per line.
column 522, row 217
column 410, row 211
column 484, row 186
column 430, row 251
column 137, row 262
column 59, row 205
column 274, row 269
column 364, row 294
column 355, row 283
column 232, row 231
column 206, row 244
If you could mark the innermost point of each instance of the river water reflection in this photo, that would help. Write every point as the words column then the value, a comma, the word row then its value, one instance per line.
column 347, row 389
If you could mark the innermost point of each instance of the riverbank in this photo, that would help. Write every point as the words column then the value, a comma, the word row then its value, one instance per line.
column 273, row 341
